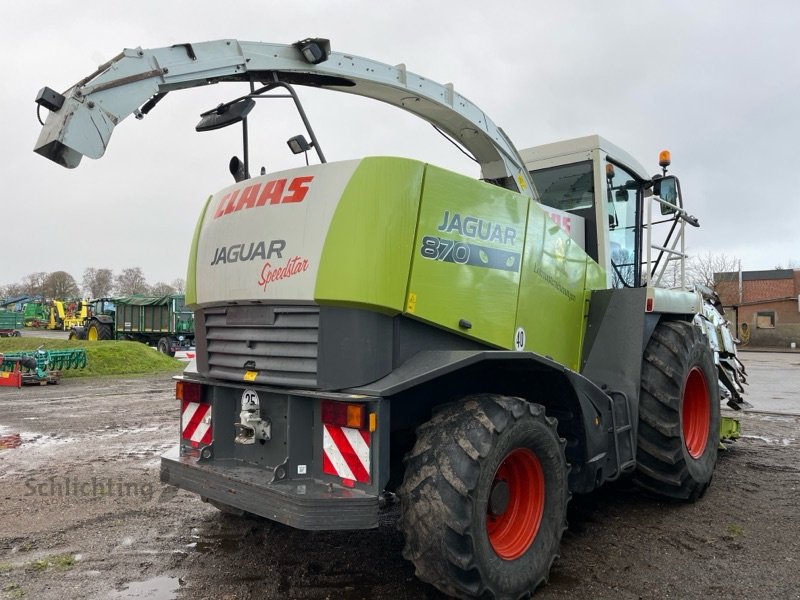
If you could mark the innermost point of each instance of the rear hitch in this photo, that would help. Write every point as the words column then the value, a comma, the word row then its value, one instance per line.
column 252, row 427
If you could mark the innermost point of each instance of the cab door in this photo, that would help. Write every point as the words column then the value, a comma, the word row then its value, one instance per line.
column 623, row 200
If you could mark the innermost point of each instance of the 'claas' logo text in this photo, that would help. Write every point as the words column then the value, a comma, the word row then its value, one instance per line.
column 275, row 191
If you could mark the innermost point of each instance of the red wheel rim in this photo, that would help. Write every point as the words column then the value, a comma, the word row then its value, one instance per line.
column 516, row 504
column 695, row 413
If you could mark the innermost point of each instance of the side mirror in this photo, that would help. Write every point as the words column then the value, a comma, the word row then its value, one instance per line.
column 225, row 114
column 668, row 189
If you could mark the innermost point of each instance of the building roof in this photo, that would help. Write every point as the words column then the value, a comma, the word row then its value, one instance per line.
column 755, row 275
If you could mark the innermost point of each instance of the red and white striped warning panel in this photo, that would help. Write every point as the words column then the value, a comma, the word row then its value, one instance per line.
column 345, row 452
column 196, row 422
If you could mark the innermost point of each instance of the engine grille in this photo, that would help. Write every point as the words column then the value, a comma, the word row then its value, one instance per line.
column 279, row 343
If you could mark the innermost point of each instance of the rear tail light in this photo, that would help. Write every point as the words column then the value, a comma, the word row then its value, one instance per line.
column 188, row 391
column 346, row 441
column 342, row 414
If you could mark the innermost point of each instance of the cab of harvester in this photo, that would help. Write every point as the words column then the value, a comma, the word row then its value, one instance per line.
column 629, row 221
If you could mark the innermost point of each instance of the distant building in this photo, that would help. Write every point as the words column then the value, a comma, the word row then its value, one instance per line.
column 764, row 305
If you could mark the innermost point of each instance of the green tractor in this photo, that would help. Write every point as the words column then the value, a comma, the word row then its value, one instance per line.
column 99, row 323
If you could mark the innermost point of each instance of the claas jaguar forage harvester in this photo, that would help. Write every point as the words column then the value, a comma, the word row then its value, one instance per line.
column 383, row 328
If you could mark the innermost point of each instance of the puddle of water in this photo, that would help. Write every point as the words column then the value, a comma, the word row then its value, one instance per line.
column 157, row 588
column 211, row 543
column 786, row 419
column 770, row 441
column 758, row 437
column 42, row 440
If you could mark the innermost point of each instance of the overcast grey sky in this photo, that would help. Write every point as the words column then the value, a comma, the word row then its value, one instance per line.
column 715, row 82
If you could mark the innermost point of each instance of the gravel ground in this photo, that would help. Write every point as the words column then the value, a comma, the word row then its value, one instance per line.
column 82, row 515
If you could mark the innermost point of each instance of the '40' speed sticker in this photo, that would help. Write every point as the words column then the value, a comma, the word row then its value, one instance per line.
column 519, row 339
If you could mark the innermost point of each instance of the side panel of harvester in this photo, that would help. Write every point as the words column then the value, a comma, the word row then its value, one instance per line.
column 554, row 291
column 369, row 245
column 468, row 257
column 512, row 277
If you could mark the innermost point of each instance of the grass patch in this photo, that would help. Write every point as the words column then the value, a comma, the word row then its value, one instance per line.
column 734, row 530
column 59, row 562
column 5, row 567
column 14, row 591
column 102, row 358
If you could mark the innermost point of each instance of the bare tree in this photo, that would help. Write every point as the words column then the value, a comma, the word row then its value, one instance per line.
column 161, row 289
column 131, row 281
column 179, row 284
column 623, row 269
column 790, row 264
column 33, row 283
column 98, row 283
column 700, row 269
column 11, row 289
column 60, row 285
column 671, row 277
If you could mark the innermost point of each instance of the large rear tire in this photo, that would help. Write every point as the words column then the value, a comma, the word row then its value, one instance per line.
column 164, row 346
column 679, row 413
column 99, row 331
column 484, row 498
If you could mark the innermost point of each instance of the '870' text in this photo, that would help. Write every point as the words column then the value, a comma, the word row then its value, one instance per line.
column 445, row 250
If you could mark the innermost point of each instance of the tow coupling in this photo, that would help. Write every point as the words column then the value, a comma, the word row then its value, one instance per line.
column 251, row 426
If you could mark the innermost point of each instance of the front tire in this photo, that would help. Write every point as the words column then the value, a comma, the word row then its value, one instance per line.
column 679, row 413
column 484, row 498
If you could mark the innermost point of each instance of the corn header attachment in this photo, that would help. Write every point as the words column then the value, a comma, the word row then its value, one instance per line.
column 40, row 366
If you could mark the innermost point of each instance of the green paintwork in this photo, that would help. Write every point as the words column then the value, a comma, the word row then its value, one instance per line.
column 367, row 253
column 191, row 279
column 729, row 428
column 444, row 292
column 552, row 300
column 481, row 254
column 11, row 320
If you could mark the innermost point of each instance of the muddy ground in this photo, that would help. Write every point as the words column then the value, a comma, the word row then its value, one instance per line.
column 83, row 515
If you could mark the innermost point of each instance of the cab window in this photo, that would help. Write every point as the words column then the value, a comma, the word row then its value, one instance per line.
column 566, row 187
column 623, row 197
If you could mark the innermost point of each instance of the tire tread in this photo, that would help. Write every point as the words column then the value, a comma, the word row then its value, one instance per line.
column 458, row 438
column 662, row 460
